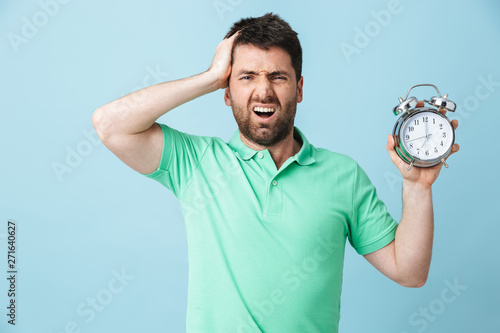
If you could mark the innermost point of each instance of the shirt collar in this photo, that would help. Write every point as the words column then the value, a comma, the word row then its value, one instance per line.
column 303, row 157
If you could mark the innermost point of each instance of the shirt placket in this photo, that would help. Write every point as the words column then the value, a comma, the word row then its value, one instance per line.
column 274, row 196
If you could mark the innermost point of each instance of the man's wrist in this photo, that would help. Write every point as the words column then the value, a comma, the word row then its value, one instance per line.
column 213, row 80
column 416, row 185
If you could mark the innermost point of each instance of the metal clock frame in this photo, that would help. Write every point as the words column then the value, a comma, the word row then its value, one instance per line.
column 407, row 105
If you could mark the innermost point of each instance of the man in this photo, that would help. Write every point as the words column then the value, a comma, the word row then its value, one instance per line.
column 267, row 214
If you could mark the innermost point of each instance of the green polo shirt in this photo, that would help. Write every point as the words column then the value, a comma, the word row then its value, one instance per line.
column 266, row 246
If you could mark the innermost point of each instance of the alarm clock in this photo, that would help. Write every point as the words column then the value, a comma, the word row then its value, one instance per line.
column 423, row 136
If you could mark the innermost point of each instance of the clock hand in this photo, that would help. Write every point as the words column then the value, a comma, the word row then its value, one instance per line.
column 425, row 136
column 425, row 141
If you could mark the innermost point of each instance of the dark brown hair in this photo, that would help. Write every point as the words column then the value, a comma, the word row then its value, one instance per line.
column 267, row 31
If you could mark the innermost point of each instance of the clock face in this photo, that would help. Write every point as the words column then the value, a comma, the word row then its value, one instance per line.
column 427, row 135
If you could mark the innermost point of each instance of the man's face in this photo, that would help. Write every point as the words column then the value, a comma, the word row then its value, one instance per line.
column 263, row 92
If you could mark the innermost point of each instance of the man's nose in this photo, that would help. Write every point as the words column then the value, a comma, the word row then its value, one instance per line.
column 263, row 88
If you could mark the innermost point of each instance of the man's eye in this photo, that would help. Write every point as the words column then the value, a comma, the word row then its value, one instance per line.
column 245, row 77
column 280, row 78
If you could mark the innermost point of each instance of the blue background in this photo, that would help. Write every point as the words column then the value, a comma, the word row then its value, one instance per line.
column 84, row 217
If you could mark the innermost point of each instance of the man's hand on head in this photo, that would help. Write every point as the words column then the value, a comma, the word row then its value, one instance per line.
column 221, row 64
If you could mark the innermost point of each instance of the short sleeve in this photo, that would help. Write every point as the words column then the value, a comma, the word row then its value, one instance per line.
column 180, row 157
column 371, row 227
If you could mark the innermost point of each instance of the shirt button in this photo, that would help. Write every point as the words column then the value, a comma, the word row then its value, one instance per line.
column 260, row 155
column 275, row 182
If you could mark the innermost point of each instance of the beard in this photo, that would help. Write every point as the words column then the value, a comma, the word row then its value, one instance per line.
column 265, row 134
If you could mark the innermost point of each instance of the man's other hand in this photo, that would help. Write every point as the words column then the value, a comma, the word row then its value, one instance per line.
column 221, row 64
column 422, row 176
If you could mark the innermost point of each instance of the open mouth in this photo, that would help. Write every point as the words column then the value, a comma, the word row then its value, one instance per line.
column 264, row 112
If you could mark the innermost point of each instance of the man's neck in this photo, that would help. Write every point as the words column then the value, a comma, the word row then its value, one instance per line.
column 281, row 151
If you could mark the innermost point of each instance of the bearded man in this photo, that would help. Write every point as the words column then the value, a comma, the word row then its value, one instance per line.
column 267, row 214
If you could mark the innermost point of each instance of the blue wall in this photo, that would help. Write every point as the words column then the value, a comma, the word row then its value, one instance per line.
column 89, row 229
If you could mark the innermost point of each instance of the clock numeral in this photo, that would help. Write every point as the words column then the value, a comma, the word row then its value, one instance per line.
column 417, row 122
column 407, row 137
column 425, row 119
column 440, row 126
column 442, row 144
column 436, row 150
column 427, row 153
column 411, row 129
column 411, row 145
column 434, row 121
column 444, row 134
column 418, row 151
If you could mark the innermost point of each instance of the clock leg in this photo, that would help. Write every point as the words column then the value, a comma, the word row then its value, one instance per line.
column 411, row 164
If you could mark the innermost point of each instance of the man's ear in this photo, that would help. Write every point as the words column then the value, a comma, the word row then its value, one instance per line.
column 227, row 96
column 299, row 89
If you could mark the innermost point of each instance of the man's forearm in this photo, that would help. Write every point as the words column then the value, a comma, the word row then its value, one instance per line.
column 137, row 111
column 407, row 259
column 127, row 126
column 414, row 236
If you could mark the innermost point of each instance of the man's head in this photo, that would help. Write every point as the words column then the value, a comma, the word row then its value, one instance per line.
column 265, row 84
column 267, row 31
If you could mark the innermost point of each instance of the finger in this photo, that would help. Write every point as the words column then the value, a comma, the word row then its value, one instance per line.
column 443, row 111
column 396, row 160
column 454, row 123
column 391, row 150
column 236, row 34
column 454, row 149
column 390, row 143
column 420, row 104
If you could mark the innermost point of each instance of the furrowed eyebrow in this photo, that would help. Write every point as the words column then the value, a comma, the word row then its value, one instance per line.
column 275, row 73
column 279, row 73
column 246, row 72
